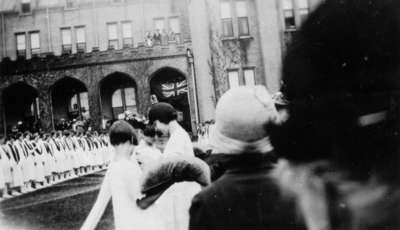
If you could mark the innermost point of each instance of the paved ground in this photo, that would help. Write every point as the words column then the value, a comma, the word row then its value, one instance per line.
column 60, row 207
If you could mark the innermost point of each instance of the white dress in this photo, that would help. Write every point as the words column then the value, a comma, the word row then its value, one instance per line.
column 179, row 143
column 174, row 204
column 122, row 185
column 18, row 160
column 7, row 163
column 39, row 162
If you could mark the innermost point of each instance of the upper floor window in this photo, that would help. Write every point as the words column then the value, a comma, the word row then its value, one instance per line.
column 70, row 4
column 303, row 9
column 233, row 78
column 249, row 78
column 288, row 14
column 80, row 39
column 112, row 30
column 66, row 40
column 226, row 19
column 159, row 27
column 35, row 43
column 242, row 17
column 127, row 39
column 175, row 29
column 25, row 6
column 21, row 44
column 159, row 24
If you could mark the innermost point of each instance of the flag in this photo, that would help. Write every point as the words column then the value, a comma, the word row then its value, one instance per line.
column 174, row 89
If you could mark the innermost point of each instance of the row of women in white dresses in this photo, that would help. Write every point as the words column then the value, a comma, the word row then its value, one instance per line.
column 23, row 161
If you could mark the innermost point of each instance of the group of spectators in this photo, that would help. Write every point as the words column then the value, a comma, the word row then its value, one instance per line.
column 161, row 37
column 32, row 160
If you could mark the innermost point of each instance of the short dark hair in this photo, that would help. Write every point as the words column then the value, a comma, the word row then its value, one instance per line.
column 121, row 132
column 343, row 65
column 162, row 112
column 149, row 131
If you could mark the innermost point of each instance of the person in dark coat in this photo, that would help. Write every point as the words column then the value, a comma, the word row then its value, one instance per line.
column 246, row 196
column 341, row 140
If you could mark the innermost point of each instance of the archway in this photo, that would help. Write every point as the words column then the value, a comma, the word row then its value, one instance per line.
column 118, row 95
column 170, row 85
column 70, row 100
column 21, row 107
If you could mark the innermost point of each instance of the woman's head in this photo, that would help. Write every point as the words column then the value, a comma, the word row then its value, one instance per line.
column 122, row 132
column 341, row 76
column 241, row 114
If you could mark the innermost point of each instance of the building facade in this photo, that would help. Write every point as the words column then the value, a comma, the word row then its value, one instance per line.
column 66, row 59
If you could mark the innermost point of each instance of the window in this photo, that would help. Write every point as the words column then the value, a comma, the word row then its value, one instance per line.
column 233, row 78
column 80, row 39
column 26, row 6
column 249, row 77
column 112, row 36
column 243, row 20
column 226, row 19
column 127, row 40
column 66, row 41
column 79, row 104
column 159, row 24
column 288, row 14
column 175, row 29
column 130, row 99
column 21, row 45
column 35, row 43
column 124, row 100
column 303, row 9
column 70, row 4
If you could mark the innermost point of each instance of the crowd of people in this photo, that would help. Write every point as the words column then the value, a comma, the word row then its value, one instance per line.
column 325, row 156
column 29, row 161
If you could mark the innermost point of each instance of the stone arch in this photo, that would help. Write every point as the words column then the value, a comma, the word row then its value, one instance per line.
column 69, row 97
column 171, row 85
column 21, row 106
column 118, row 94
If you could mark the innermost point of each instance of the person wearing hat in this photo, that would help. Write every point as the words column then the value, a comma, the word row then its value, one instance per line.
column 245, row 196
column 164, row 116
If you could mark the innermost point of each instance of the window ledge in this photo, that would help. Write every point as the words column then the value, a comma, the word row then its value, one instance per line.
column 71, row 8
column 245, row 37
column 290, row 29
column 242, row 37
column 228, row 38
column 26, row 14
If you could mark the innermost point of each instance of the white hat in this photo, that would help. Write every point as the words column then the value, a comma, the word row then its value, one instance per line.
column 241, row 116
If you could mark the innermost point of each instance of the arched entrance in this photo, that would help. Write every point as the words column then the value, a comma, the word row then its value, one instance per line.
column 70, row 100
column 171, row 86
column 21, row 107
column 118, row 95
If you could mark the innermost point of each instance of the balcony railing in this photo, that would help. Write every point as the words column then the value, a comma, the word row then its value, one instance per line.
column 81, row 47
column 67, row 49
column 156, row 38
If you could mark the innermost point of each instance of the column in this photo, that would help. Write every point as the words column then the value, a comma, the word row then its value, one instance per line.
column 200, row 31
column 269, row 26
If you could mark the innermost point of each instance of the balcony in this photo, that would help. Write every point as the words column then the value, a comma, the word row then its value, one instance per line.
column 48, row 61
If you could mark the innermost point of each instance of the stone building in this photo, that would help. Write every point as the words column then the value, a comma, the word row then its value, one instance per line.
column 65, row 59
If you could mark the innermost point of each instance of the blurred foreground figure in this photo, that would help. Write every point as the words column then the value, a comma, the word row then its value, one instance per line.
column 341, row 140
column 245, row 196
column 122, row 185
